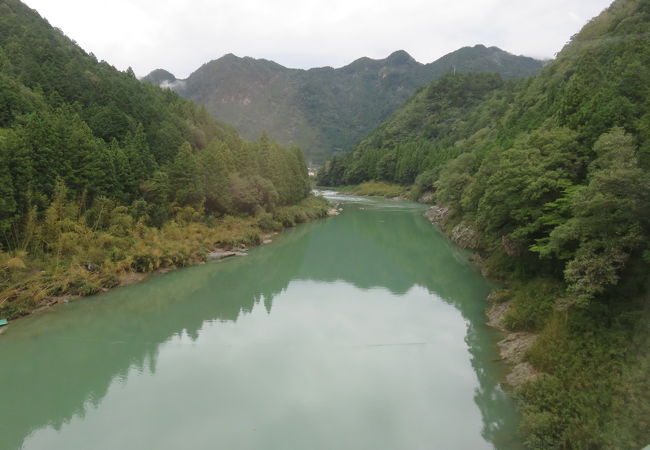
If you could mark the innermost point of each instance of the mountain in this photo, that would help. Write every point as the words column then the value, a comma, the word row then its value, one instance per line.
column 324, row 110
column 548, row 179
column 162, row 78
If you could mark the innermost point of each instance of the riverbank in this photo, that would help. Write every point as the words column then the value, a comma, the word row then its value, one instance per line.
column 376, row 189
column 89, row 261
column 515, row 345
column 390, row 191
column 580, row 371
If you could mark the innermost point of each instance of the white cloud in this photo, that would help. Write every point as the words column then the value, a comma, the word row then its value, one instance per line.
column 180, row 35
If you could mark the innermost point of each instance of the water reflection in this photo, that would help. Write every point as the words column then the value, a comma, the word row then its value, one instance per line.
column 54, row 366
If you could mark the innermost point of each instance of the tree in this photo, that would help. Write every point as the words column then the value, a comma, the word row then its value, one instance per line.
column 183, row 174
column 611, row 219
column 518, row 182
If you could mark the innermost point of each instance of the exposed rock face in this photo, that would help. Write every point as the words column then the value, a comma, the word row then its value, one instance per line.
column 219, row 254
column 522, row 373
column 427, row 197
column 513, row 350
column 513, row 347
column 496, row 313
column 437, row 215
column 510, row 247
column 465, row 235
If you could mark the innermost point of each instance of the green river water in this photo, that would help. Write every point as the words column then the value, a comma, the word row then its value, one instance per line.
column 362, row 331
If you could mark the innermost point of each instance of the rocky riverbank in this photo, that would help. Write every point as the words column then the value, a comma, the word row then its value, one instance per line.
column 514, row 346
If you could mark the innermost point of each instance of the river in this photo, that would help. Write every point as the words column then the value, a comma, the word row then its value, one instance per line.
column 361, row 331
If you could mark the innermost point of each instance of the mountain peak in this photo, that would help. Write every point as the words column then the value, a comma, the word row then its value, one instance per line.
column 480, row 58
column 400, row 57
column 395, row 59
column 229, row 57
column 232, row 60
column 159, row 76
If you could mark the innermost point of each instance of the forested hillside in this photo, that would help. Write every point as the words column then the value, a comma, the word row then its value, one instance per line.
column 552, row 175
column 325, row 110
column 95, row 166
column 437, row 124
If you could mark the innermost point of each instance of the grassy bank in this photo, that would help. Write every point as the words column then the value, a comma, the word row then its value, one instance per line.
column 594, row 388
column 70, row 253
column 376, row 189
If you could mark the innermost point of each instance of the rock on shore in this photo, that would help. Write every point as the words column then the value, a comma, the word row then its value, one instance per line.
column 464, row 234
column 513, row 347
column 222, row 254
column 427, row 197
column 437, row 215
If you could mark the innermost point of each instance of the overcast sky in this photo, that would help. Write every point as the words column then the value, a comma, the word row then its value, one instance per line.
column 180, row 35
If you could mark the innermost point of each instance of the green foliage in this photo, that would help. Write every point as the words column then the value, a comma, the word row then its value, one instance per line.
column 440, row 122
column 532, row 303
column 593, row 394
column 455, row 178
column 610, row 218
column 514, row 185
column 309, row 209
column 377, row 189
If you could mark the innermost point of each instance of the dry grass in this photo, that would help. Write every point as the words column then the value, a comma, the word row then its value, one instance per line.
column 77, row 260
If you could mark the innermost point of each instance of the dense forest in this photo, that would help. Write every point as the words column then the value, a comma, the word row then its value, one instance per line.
column 325, row 110
column 98, row 171
column 553, row 175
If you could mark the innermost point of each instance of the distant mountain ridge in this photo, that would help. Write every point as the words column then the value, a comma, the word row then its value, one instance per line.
column 325, row 110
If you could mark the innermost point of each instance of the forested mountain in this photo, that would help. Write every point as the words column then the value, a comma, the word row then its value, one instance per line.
column 553, row 175
column 325, row 110
column 66, row 116
column 86, row 149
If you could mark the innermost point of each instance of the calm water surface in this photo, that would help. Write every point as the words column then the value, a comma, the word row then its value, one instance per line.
column 362, row 331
